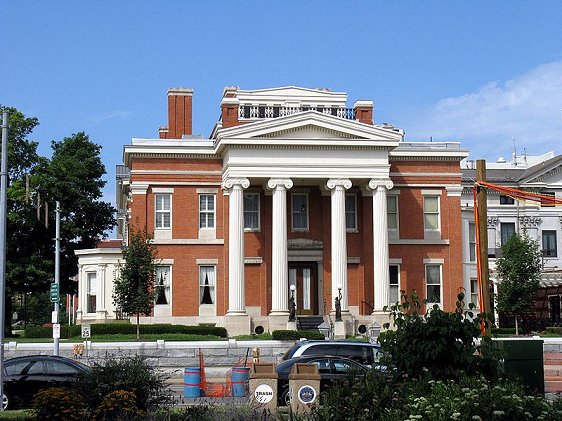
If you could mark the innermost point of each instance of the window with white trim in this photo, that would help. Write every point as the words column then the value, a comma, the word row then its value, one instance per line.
column 394, row 284
column 474, row 291
column 163, row 211
column 207, row 284
column 162, row 285
column 299, row 211
column 507, row 230
column 351, row 212
column 252, row 211
column 549, row 248
column 392, row 212
column 433, row 284
column 431, row 213
column 471, row 242
column 91, row 291
column 206, row 211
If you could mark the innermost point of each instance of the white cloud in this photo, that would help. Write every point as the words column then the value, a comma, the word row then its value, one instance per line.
column 113, row 115
column 527, row 108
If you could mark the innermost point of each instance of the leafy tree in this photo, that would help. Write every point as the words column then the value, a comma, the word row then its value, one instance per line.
column 73, row 177
column 133, row 289
column 519, row 270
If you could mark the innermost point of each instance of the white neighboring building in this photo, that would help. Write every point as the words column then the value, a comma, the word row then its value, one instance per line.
column 96, row 271
column 538, row 174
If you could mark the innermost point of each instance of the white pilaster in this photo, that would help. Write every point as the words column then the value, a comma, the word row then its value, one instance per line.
column 339, row 240
column 236, row 294
column 380, row 243
column 279, row 260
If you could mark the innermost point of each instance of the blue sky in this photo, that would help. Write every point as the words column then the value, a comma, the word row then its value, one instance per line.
column 479, row 72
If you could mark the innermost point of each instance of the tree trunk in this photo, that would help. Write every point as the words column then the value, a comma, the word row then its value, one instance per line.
column 516, row 326
column 138, row 326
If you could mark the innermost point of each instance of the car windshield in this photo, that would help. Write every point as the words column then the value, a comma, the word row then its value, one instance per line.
column 289, row 354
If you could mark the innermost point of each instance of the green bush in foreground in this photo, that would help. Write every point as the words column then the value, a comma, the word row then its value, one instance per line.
column 386, row 398
column 57, row 404
column 132, row 374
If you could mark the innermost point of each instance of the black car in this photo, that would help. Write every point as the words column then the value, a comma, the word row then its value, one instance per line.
column 331, row 368
column 365, row 353
column 25, row 376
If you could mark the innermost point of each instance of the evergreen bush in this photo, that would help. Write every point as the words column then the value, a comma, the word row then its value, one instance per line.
column 293, row 335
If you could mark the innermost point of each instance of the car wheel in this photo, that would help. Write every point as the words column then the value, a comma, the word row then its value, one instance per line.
column 5, row 401
column 285, row 397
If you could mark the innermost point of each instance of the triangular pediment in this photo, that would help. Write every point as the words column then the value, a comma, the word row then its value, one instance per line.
column 548, row 172
column 310, row 125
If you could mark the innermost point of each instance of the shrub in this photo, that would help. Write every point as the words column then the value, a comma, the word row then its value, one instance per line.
column 438, row 343
column 124, row 328
column 57, row 404
column 293, row 335
column 130, row 374
column 556, row 330
column 119, row 404
column 503, row 331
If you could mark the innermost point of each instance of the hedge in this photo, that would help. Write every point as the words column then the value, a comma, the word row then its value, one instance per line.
column 124, row 328
column 557, row 330
column 503, row 330
column 292, row 335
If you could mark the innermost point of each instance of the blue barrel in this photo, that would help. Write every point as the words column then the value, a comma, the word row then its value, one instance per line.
column 192, row 382
column 240, row 377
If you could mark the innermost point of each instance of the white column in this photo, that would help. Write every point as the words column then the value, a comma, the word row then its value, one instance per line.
column 236, row 294
column 279, row 260
column 380, row 243
column 339, row 240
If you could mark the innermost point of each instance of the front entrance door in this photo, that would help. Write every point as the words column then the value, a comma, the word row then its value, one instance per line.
column 303, row 276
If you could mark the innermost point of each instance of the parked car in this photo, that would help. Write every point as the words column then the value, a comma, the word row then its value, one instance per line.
column 25, row 376
column 365, row 353
column 331, row 368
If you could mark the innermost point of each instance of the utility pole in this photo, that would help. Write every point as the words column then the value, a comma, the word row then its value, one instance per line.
column 481, row 197
column 55, row 292
column 3, row 215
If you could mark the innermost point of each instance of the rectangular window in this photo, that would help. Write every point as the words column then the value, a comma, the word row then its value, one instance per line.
column 474, row 291
column 549, row 244
column 433, row 284
column 299, row 211
column 162, row 285
column 252, row 211
column 506, row 200
column 546, row 203
column 351, row 212
column 392, row 212
column 394, row 285
column 206, row 211
column 207, row 283
column 163, row 211
column 507, row 230
column 471, row 242
column 431, row 213
column 92, row 286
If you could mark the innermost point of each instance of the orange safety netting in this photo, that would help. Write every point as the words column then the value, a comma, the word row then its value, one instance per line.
column 516, row 194
column 219, row 390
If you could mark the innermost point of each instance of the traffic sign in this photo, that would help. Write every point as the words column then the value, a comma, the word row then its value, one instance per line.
column 56, row 331
column 86, row 330
column 54, row 293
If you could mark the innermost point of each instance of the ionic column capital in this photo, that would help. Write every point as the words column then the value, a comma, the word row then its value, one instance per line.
column 374, row 183
column 338, row 182
column 274, row 183
column 229, row 183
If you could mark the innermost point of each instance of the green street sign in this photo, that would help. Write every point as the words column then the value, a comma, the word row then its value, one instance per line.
column 54, row 293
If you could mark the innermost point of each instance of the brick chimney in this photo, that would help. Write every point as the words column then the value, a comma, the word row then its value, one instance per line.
column 229, row 108
column 180, row 110
column 364, row 111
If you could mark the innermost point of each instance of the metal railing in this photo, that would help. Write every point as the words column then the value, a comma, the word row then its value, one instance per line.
column 273, row 111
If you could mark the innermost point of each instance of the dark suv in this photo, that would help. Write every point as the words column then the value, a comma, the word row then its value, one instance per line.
column 363, row 352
